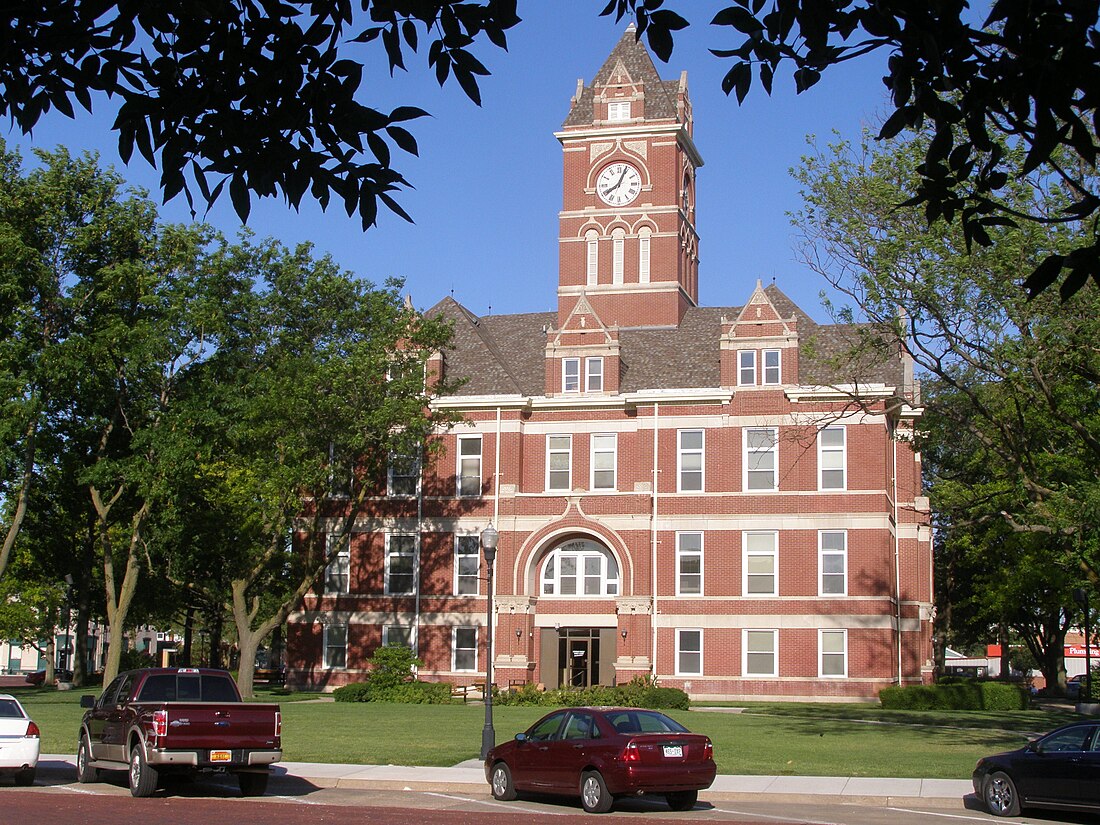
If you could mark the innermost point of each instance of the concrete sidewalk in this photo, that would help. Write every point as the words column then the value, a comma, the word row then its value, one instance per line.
column 469, row 777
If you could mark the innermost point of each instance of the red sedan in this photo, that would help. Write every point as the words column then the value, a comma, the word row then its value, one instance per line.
column 602, row 753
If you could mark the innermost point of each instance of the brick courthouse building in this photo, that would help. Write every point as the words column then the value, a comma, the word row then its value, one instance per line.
column 687, row 492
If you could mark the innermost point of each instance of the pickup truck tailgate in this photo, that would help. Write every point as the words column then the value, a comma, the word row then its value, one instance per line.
column 231, row 725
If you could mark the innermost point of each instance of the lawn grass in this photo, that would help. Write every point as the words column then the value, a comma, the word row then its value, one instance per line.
column 763, row 739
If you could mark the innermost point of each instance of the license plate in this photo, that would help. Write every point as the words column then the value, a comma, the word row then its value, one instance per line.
column 674, row 751
column 221, row 756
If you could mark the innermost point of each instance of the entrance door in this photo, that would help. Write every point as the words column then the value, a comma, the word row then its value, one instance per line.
column 579, row 657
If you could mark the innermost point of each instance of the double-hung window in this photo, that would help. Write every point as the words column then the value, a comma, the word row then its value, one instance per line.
column 469, row 465
column 395, row 635
column 689, row 564
column 594, row 374
column 334, row 643
column 761, row 564
column 689, row 652
column 604, row 460
column 746, row 367
column 771, row 366
column 833, row 562
column 559, row 462
column 467, row 565
column 832, row 457
column 571, row 375
column 404, row 475
column 400, row 564
column 689, row 459
column 761, row 458
column 464, row 648
column 338, row 570
column 832, row 648
column 760, row 653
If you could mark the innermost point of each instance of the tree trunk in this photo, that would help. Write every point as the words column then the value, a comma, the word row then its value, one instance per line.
column 118, row 603
column 188, row 635
column 25, row 482
column 214, row 655
column 80, row 644
column 51, row 657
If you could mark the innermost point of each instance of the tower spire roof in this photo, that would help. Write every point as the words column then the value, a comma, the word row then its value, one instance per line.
column 632, row 57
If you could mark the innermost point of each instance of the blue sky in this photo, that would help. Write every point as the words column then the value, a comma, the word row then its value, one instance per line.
column 488, row 180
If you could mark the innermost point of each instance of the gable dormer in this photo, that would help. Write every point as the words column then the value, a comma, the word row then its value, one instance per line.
column 582, row 356
column 759, row 346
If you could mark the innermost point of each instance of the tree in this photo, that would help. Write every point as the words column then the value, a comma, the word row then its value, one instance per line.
column 1010, row 384
column 261, row 96
column 1028, row 75
column 994, row 581
column 290, row 425
column 106, row 310
column 30, row 606
column 264, row 96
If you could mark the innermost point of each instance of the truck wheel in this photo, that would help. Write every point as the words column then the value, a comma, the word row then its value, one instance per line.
column 253, row 784
column 143, row 777
column 25, row 777
column 84, row 773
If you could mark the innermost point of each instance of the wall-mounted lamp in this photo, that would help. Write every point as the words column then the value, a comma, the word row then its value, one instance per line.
column 623, row 634
column 518, row 633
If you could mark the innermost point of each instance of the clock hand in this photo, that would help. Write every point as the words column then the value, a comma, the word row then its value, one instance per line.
column 616, row 185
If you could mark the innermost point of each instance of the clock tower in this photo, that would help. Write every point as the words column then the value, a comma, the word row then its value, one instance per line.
column 628, row 249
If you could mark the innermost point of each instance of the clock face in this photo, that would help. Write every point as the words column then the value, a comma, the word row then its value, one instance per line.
column 618, row 184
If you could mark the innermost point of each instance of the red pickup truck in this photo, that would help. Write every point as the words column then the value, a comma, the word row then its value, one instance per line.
column 160, row 721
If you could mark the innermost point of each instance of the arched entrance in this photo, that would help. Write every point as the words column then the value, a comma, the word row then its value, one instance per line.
column 577, row 580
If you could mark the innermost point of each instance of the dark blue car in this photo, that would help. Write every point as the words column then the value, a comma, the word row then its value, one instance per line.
column 1060, row 770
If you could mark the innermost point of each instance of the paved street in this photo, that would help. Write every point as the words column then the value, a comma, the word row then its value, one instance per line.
column 383, row 794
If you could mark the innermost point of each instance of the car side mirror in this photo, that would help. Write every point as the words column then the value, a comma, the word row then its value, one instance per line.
column 1033, row 747
column 521, row 737
column 87, row 701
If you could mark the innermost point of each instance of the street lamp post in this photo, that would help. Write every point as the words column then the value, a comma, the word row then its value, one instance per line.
column 489, row 538
column 1081, row 596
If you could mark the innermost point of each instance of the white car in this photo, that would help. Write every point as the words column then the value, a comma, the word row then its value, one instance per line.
column 20, row 741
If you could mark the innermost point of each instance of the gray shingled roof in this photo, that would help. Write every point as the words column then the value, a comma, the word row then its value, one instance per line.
column 660, row 95
column 505, row 354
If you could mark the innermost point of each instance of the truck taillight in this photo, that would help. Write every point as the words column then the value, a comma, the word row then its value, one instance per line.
column 278, row 723
column 631, row 753
column 160, row 723
column 32, row 731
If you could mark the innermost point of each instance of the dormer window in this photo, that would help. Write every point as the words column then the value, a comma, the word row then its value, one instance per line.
column 618, row 110
column 594, row 369
column 571, row 375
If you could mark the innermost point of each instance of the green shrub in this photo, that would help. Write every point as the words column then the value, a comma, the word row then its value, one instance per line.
column 969, row 695
column 1001, row 696
column 639, row 693
column 414, row 693
column 354, row 692
column 529, row 695
column 391, row 666
column 409, row 693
